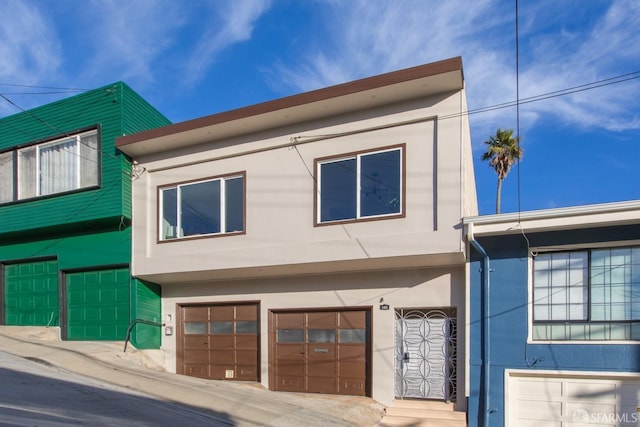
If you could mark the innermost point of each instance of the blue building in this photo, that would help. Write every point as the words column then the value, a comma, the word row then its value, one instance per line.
column 554, row 317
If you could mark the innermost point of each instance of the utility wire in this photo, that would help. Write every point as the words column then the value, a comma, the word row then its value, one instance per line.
column 54, row 128
column 518, row 108
column 66, row 89
column 555, row 94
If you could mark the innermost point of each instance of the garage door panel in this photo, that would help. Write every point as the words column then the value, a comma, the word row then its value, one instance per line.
column 630, row 393
column 293, row 383
column 353, row 320
column 246, row 342
column 331, row 362
column 247, row 358
column 246, row 312
column 352, row 386
column 289, row 368
column 322, row 320
column 194, row 314
column 98, row 304
column 247, row 373
column 537, row 388
column 319, row 352
column 287, row 351
column 220, row 371
column 195, row 342
column 591, row 391
column 290, row 320
column 197, row 357
column 591, row 407
column 31, row 293
column 222, row 356
column 231, row 353
column 322, row 384
column 537, row 410
column 222, row 342
column 223, row 313
column 352, row 369
column 325, row 369
column 353, row 352
column 199, row 371
column 588, row 399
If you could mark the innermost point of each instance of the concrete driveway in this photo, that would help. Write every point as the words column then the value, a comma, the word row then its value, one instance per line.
column 218, row 402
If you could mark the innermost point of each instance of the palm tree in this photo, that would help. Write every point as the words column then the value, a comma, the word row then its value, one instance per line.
column 502, row 152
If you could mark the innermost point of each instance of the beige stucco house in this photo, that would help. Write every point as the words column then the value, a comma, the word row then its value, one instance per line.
column 314, row 243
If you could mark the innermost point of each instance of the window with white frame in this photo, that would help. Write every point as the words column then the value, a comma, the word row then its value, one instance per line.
column 56, row 166
column 6, row 177
column 209, row 207
column 587, row 295
column 360, row 186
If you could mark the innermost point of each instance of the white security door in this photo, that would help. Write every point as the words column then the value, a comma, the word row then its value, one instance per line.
column 425, row 354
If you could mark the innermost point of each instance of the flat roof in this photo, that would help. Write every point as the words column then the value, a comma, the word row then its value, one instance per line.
column 420, row 81
column 566, row 218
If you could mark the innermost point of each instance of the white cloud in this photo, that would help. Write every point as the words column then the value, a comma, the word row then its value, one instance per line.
column 228, row 23
column 559, row 48
column 568, row 58
column 29, row 47
column 128, row 38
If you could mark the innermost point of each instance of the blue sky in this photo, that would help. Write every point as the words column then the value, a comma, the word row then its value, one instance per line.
column 193, row 58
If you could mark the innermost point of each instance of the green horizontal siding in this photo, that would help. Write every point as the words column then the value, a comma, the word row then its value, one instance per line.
column 106, row 107
column 80, row 251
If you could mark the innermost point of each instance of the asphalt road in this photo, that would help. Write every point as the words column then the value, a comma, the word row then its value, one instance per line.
column 34, row 393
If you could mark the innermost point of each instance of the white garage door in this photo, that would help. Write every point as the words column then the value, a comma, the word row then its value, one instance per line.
column 550, row 400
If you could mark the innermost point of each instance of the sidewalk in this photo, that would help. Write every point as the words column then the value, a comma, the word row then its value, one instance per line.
column 246, row 404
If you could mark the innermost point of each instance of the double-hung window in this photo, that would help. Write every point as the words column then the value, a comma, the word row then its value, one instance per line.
column 57, row 166
column 209, row 207
column 587, row 295
column 360, row 186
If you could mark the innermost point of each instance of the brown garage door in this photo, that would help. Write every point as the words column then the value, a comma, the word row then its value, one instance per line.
column 219, row 341
column 321, row 351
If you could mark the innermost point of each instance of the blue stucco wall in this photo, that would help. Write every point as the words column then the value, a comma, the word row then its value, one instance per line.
column 508, row 320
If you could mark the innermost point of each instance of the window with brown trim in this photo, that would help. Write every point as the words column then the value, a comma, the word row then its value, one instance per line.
column 213, row 206
column 360, row 186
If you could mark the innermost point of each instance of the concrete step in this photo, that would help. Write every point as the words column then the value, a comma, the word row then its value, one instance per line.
column 388, row 421
column 423, row 404
column 422, row 413
column 426, row 413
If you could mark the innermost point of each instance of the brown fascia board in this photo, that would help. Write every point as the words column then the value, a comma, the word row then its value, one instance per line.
column 362, row 85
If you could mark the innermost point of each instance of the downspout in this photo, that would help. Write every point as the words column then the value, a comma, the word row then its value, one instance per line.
column 486, row 349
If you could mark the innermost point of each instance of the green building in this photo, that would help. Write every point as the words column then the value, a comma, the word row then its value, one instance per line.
column 65, row 219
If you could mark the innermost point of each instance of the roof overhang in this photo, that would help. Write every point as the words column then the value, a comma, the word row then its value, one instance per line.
column 570, row 218
column 411, row 83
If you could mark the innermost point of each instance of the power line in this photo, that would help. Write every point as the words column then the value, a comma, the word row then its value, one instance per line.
column 67, row 89
column 518, row 108
column 37, row 93
column 555, row 94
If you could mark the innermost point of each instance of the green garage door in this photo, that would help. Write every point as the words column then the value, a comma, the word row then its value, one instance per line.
column 31, row 293
column 98, row 304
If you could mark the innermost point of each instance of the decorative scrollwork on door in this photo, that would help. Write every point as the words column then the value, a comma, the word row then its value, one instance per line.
column 426, row 353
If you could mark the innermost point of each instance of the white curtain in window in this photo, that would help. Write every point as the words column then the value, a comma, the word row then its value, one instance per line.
column 89, row 160
column 6, row 177
column 59, row 167
column 27, row 173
